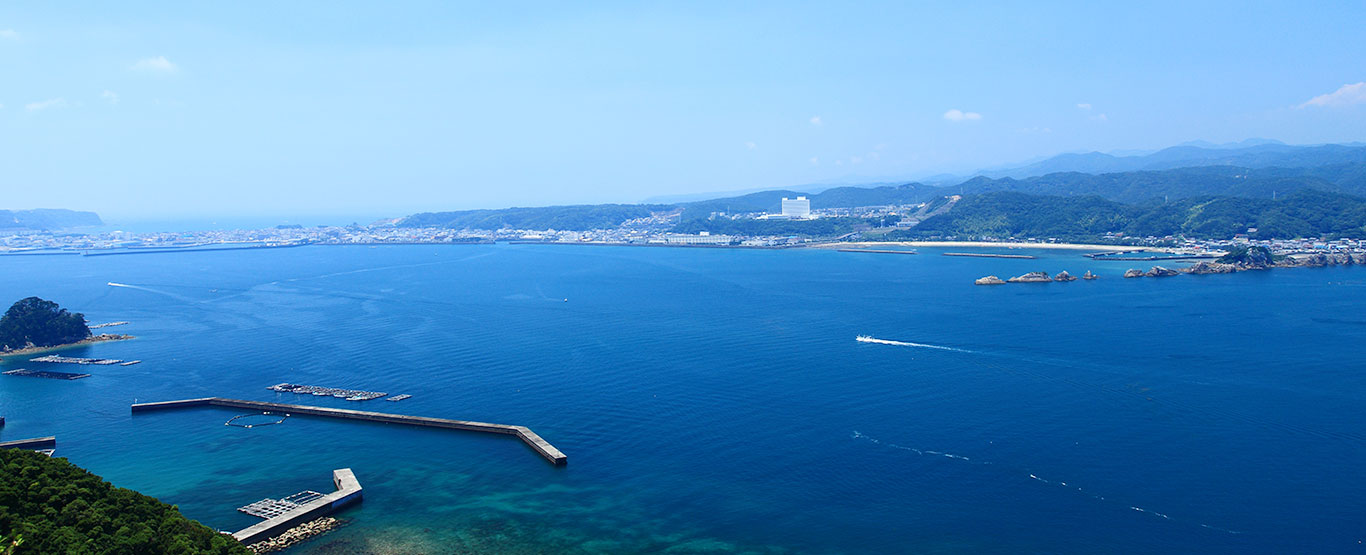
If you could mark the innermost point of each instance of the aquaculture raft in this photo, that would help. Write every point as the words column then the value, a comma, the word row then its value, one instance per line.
column 271, row 508
column 46, row 374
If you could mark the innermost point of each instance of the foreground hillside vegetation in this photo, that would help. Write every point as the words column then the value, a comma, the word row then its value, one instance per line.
column 48, row 505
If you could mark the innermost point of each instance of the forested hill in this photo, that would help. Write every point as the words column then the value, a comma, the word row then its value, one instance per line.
column 47, row 219
column 838, row 197
column 578, row 217
column 1332, row 168
column 1305, row 213
column 48, row 505
column 598, row 216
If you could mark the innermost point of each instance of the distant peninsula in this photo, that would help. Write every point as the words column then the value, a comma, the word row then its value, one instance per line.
column 46, row 219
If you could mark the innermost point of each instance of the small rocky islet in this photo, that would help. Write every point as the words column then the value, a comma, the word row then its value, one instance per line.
column 1033, row 277
column 1250, row 261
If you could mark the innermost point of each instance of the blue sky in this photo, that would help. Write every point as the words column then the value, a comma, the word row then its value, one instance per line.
column 316, row 109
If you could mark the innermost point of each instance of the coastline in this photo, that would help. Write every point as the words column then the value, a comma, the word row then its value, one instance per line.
column 101, row 338
column 988, row 244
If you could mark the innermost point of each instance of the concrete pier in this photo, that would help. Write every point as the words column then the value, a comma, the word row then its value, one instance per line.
column 989, row 255
column 34, row 443
column 880, row 251
column 521, row 432
column 348, row 492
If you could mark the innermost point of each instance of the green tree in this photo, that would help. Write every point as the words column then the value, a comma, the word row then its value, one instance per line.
column 36, row 322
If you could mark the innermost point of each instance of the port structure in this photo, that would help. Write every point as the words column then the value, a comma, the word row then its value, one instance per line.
column 283, row 514
column 530, row 438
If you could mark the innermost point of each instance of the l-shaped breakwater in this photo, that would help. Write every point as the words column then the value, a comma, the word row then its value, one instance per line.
column 292, row 514
column 541, row 446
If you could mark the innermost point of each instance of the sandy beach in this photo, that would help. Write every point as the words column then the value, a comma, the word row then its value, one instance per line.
column 88, row 341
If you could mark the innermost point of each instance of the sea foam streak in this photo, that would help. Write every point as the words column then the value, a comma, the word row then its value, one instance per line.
column 869, row 339
column 1032, row 476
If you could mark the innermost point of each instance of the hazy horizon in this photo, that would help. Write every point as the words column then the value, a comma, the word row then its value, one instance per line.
column 152, row 112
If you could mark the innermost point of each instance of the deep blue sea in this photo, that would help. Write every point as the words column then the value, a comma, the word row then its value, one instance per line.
column 716, row 400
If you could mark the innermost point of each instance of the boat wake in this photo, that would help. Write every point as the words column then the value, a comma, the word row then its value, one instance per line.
column 870, row 339
column 150, row 290
column 1032, row 476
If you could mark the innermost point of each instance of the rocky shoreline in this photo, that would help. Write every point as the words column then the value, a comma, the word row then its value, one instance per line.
column 297, row 534
column 1255, row 263
column 101, row 338
column 1204, row 267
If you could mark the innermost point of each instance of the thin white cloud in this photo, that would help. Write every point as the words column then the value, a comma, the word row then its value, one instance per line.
column 159, row 63
column 750, row 145
column 814, row 160
column 816, row 120
column 1084, row 106
column 45, row 104
column 9, row 34
column 1100, row 117
column 959, row 115
column 110, row 96
column 1346, row 95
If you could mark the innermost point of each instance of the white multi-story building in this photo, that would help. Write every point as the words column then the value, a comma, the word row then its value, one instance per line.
column 703, row 238
column 797, row 208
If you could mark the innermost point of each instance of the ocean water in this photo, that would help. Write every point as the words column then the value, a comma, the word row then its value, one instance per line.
column 716, row 400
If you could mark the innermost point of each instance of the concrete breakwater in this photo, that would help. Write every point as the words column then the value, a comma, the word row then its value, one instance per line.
column 348, row 492
column 878, row 251
column 989, row 255
column 33, row 443
column 541, row 446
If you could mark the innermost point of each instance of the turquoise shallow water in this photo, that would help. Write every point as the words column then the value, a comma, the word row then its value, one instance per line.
column 716, row 401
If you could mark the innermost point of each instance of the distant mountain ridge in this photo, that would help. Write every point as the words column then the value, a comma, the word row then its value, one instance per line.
column 1262, row 155
column 47, row 219
column 1256, row 169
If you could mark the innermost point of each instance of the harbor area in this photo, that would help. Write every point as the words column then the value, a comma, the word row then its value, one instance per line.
column 283, row 514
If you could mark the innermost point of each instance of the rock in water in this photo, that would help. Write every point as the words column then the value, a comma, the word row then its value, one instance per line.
column 990, row 280
column 1159, row 271
column 1089, row 275
column 1031, row 277
column 1064, row 276
column 1133, row 273
column 1203, row 267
